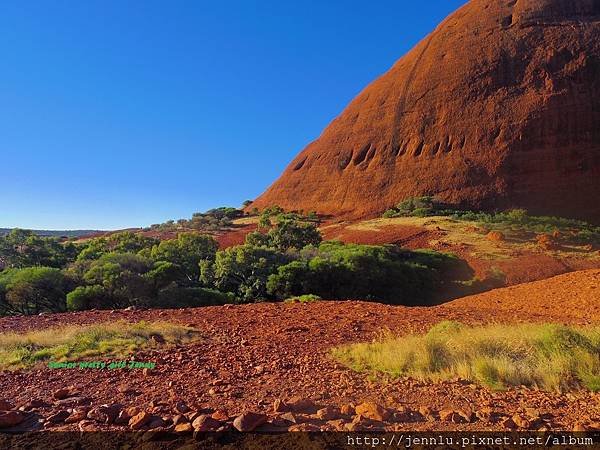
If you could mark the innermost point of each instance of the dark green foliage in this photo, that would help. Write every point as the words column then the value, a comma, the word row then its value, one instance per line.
column 123, row 242
column 289, row 232
column 211, row 220
column 87, row 297
column 32, row 290
column 186, row 252
column 386, row 273
column 191, row 297
column 23, row 248
column 292, row 234
column 415, row 206
column 243, row 270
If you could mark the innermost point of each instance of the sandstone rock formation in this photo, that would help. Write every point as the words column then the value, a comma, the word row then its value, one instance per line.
column 498, row 107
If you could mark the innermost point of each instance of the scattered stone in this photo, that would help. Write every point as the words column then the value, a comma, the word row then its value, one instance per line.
column 87, row 425
column 328, row 413
column 58, row 417
column 77, row 415
column 181, row 407
column 449, row 415
column 183, row 428
column 508, row 423
column 337, row 425
column 467, row 415
column 220, row 415
column 303, row 427
column 249, row 421
column 373, row 411
column 62, row 393
column 293, row 418
column 11, row 418
column 403, row 414
column 156, row 422
column 73, row 401
column 204, row 423
column 280, row 406
column 521, row 422
column 484, row 414
column 105, row 413
column 301, row 405
column 358, row 423
column 427, row 413
column 179, row 418
column 348, row 410
column 139, row 420
column 126, row 414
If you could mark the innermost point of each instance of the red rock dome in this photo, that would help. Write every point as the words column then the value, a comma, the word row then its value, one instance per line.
column 498, row 107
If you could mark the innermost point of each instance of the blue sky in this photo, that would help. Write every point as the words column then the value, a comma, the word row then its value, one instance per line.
column 126, row 113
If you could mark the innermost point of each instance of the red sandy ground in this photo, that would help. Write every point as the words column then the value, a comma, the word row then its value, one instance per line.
column 251, row 355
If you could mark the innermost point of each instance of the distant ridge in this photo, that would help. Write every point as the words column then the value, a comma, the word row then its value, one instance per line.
column 57, row 233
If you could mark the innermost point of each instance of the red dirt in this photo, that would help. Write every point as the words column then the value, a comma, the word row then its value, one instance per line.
column 404, row 236
column 254, row 354
column 234, row 237
column 496, row 108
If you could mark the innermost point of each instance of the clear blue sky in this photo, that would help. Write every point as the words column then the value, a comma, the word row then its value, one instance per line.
column 125, row 113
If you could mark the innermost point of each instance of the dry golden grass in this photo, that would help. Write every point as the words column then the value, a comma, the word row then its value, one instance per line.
column 548, row 356
column 71, row 342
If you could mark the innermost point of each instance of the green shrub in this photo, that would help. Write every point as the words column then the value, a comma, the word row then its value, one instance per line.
column 307, row 298
column 87, row 297
column 386, row 273
column 33, row 290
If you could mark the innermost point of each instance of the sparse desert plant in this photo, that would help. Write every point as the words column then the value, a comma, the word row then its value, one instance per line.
column 547, row 356
column 307, row 298
column 73, row 342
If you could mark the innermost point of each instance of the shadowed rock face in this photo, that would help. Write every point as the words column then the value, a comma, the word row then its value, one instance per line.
column 498, row 107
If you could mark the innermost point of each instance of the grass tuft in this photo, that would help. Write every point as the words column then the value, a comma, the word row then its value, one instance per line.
column 74, row 342
column 547, row 356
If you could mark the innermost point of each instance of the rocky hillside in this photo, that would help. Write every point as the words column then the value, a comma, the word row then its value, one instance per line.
column 498, row 107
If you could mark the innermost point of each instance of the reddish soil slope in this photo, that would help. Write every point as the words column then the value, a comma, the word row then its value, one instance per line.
column 252, row 355
column 498, row 107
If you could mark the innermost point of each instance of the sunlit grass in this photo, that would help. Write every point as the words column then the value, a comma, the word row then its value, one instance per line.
column 550, row 357
column 73, row 342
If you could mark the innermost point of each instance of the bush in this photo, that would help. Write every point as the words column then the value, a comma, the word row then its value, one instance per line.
column 87, row 297
column 307, row 298
column 186, row 252
column 32, row 290
column 385, row 273
column 550, row 357
column 243, row 270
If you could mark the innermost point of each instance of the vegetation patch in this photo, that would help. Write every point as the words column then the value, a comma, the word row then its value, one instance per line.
column 307, row 298
column 75, row 342
column 546, row 356
column 514, row 221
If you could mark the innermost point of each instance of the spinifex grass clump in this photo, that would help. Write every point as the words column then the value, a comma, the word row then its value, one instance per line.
column 550, row 357
column 73, row 342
